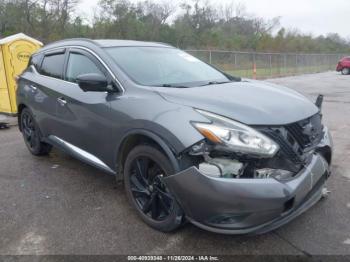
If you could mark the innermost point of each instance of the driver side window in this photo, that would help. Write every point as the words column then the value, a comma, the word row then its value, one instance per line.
column 79, row 64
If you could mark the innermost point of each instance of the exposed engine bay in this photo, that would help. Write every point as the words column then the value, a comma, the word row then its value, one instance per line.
column 297, row 141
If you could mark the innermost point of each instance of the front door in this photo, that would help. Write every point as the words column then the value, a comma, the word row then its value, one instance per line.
column 83, row 117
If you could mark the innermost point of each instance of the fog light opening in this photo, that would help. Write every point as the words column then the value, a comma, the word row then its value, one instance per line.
column 221, row 167
column 278, row 174
column 288, row 205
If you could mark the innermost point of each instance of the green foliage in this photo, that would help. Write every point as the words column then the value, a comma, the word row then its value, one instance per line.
column 192, row 25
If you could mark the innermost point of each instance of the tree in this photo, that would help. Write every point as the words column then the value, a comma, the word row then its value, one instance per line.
column 194, row 24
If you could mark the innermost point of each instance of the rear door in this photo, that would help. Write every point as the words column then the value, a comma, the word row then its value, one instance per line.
column 42, row 82
column 83, row 116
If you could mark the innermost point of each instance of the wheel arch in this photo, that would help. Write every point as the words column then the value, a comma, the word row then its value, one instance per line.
column 326, row 152
column 141, row 136
column 20, row 108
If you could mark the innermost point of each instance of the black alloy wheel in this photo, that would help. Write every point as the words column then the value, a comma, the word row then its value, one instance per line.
column 150, row 193
column 144, row 172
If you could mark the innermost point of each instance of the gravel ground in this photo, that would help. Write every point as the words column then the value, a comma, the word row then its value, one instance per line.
column 58, row 205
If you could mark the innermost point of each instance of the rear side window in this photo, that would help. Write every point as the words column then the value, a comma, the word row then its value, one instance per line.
column 79, row 64
column 52, row 65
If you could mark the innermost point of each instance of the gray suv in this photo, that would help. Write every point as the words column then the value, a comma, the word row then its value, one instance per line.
column 190, row 142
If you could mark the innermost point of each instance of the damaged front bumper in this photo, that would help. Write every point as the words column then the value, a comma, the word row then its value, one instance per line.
column 245, row 205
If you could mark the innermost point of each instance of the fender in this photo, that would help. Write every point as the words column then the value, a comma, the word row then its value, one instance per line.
column 170, row 152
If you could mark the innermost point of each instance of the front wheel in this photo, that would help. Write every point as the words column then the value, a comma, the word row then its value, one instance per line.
column 345, row 71
column 144, row 170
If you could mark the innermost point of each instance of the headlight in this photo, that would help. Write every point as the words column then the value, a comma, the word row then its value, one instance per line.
column 235, row 136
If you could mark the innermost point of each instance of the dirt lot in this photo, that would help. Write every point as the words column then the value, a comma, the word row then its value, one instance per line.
column 58, row 205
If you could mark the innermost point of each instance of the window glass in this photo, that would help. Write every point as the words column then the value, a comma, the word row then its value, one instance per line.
column 53, row 65
column 35, row 61
column 79, row 64
column 162, row 66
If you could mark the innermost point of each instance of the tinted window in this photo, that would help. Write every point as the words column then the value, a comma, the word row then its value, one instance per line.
column 35, row 61
column 53, row 65
column 79, row 64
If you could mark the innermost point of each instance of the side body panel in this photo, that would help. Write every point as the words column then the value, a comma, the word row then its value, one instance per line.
column 85, row 119
column 40, row 93
column 346, row 63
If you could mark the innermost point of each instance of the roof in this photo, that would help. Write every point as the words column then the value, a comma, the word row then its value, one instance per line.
column 17, row 37
column 112, row 43
column 98, row 43
column 101, row 43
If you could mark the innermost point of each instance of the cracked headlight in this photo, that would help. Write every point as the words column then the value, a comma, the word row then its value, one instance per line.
column 235, row 136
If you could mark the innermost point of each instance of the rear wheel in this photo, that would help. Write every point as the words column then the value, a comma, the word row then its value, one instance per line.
column 31, row 134
column 144, row 170
column 345, row 71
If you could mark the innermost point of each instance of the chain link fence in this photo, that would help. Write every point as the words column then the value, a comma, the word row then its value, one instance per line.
column 267, row 65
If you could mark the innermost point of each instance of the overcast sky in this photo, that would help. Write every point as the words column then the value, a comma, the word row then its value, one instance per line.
column 308, row 16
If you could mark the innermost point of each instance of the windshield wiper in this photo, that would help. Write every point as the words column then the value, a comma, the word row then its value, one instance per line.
column 216, row 83
column 175, row 86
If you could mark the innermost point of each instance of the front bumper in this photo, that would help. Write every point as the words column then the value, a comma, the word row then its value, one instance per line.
column 240, row 206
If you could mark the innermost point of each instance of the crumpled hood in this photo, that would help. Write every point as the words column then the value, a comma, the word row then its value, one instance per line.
column 250, row 102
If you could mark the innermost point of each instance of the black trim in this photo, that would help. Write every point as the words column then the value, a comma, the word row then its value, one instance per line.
column 55, row 52
column 168, row 151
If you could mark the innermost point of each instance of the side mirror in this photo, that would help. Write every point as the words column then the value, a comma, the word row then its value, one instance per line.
column 93, row 82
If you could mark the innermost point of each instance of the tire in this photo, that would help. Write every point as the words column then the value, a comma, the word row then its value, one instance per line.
column 32, row 135
column 345, row 71
column 145, row 191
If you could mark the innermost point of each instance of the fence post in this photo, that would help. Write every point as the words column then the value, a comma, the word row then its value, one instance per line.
column 254, row 66
column 270, row 64
column 209, row 56
column 296, row 63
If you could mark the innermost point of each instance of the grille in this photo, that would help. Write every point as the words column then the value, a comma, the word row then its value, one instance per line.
column 297, row 138
column 285, row 147
column 307, row 133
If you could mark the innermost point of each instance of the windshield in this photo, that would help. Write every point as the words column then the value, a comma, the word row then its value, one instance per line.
column 158, row 66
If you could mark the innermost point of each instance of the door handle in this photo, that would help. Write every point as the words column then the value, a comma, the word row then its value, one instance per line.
column 62, row 101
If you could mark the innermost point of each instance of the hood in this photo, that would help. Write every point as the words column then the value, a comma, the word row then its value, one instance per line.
column 250, row 102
